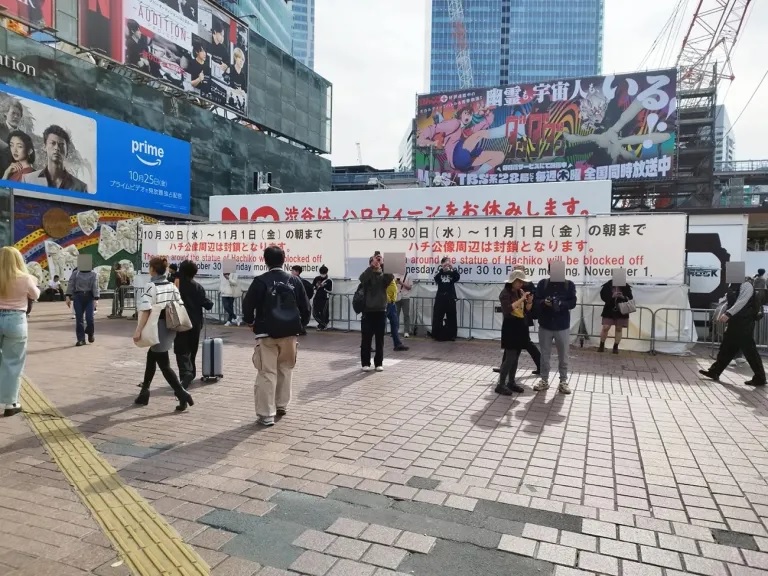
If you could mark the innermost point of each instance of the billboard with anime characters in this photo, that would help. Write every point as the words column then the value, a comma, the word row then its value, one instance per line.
column 618, row 127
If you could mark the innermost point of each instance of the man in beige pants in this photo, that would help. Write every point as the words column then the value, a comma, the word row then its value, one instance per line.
column 276, row 306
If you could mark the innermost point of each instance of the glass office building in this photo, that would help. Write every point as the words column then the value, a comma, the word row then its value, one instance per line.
column 304, row 32
column 513, row 41
column 272, row 19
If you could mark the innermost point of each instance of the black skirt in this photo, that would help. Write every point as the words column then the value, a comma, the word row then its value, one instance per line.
column 514, row 333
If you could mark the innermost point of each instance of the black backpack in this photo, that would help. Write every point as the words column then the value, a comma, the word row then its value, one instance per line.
column 358, row 300
column 281, row 311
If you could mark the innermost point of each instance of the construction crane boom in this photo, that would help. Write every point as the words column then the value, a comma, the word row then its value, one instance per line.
column 463, row 62
column 705, row 56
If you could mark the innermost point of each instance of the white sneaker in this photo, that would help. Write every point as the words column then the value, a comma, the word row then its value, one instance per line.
column 406, row 335
column 227, row 323
column 238, row 322
column 563, row 387
column 541, row 385
column 366, row 368
column 73, row 316
column 379, row 368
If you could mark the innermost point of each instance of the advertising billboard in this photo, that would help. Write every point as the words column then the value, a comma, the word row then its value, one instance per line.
column 187, row 43
column 618, row 127
column 48, row 147
column 38, row 12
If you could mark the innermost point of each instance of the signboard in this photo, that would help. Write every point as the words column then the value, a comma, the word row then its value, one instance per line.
column 188, row 43
column 308, row 244
column 556, row 199
column 650, row 247
column 38, row 12
column 618, row 127
column 49, row 147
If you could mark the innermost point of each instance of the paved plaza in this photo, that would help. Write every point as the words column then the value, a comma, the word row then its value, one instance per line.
column 645, row 470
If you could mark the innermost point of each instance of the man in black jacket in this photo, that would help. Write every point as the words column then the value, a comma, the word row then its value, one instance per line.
column 273, row 357
column 531, row 348
column 374, row 320
column 308, row 288
column 195, row 300
column 739, row 317
column 445, row 303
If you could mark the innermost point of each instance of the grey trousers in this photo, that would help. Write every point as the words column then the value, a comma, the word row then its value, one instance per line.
column 405, row 306
column 561, row 338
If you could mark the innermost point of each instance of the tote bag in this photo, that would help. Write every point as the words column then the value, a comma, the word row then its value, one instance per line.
column 176, row 317
column 149, row 334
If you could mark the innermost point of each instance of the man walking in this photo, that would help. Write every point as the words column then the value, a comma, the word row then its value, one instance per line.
column 277, row 307
column 83, row 293
column 445, row 303
column 744, row 308
column 553, row 303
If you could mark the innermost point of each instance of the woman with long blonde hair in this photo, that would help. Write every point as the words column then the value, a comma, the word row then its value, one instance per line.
column 17, row 287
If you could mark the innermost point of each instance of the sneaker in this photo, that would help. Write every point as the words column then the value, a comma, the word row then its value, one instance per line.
column 379, row 368
column 91, row 339
column 238, row 322
column 80, row 343
column 73, row 316
column 12, row 409
column 563, row 388
column 366, row 368
column 406, row 335
column 401, row 348
column 282, row 411
column 265, row 421
column 541, row 385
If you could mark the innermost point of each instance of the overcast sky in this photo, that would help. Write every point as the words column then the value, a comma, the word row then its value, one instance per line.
column 374, row 54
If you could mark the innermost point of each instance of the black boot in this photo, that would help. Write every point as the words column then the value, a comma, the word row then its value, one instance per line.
column 601, row 348
column 143, row 398
column 615, row 348
column 185, row 399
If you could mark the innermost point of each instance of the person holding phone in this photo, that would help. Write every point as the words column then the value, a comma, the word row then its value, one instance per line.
column 516, row 304
column 612, row 296
column 444, row 321
column 374, row 321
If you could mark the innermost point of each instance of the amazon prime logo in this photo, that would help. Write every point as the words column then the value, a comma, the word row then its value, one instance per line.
column 146, row 153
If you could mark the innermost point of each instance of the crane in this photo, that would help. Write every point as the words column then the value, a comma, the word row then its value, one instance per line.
column 359, row 154
column 463, row 63
column 705, row 56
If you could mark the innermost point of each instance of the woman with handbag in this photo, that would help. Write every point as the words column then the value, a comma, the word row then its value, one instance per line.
column 153, row 328
column 195, row 301
column 619, row 304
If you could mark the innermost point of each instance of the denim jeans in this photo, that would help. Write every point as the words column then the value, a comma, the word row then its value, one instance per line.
column 228, row 303
column 13, row 353
column 394, row 323
column 83, row 306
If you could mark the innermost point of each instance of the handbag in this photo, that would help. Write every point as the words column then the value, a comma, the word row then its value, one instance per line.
column 176, row 317
column 627, row 307
column 149, row 334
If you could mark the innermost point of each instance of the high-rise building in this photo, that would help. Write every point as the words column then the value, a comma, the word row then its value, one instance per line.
column 510, row 41
column 271, row 19
column 725, row 141
column 304, row 32
column 407, row 148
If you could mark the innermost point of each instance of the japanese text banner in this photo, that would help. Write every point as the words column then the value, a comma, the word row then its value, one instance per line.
column 651, row 247
column 309, row 245
column 617, row 127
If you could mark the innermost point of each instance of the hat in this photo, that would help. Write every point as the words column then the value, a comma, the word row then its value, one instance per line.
column 517, row 275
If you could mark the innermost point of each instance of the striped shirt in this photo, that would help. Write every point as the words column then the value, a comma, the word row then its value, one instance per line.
column 158, row 295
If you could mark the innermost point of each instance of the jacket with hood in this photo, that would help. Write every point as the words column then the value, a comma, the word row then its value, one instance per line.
column 228, row 286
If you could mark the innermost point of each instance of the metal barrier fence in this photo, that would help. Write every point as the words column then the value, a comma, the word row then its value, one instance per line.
column 660, row 326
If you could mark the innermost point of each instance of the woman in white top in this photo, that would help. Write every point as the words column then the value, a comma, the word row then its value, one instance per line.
column 159, row 293
column 17, row 288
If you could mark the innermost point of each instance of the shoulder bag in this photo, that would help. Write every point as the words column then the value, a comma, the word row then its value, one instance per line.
column 176, row 316
column 627, row 307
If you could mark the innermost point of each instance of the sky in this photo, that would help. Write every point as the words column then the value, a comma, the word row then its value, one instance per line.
column 374, row 54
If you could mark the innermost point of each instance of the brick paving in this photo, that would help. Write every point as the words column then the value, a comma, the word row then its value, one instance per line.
column 421, row 469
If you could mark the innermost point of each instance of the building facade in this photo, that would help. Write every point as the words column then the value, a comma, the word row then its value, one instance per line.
column 725, row 141
column 304, row 32
column 511, row 41
column 272, row 19
column 407, row 149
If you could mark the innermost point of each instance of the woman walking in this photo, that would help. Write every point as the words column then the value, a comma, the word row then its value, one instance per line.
column 158, row 294
column 17, row 289
column 195, row 301
column 612, row 316
column 515, row 337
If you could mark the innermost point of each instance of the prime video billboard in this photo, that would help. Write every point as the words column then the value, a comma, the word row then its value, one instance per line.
column 617, row 127
column 49, row 147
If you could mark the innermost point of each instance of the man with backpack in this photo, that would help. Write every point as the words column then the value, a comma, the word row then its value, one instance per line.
column 552, row 304
column 744, row 308
column 277, row 307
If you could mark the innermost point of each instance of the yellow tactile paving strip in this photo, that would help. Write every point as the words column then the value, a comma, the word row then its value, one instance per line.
column 147, row 544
